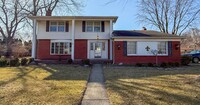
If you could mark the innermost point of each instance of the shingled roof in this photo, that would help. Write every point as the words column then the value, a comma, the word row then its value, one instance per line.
column 142, row 34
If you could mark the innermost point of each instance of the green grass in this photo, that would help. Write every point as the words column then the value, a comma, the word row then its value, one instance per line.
column 152, row 86
column 42, row 85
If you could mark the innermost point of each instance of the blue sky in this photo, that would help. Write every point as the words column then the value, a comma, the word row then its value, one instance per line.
column 126, row 12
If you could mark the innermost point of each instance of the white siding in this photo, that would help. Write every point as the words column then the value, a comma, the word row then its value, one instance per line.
column 42, row 34
column 91, row 35
column 142, row 51
column 141, row 47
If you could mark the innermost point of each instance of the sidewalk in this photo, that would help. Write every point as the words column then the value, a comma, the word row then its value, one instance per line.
column 96, row 93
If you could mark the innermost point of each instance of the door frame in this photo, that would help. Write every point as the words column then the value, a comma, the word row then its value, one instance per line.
column 93, row 41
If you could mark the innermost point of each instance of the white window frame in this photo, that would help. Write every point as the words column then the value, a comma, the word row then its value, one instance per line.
column 57, row 24
column 166, row 47
column 149, row 54
column 60, row 41
column 135, row 48
column 93, row 25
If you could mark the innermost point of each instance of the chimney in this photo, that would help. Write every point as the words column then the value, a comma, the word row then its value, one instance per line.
column 48, row 12
column 144, row 28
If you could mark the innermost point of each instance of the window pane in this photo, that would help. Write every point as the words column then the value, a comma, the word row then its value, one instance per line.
column 61, row 28
column 97, row 26
column 91, row 46
column 57, row 48
column 52, row 48
column 61, row 48
column 89, row 27
column 131, row 47
column 61, row 23
column 53, row 23
column 53, row 28
column 162, row 47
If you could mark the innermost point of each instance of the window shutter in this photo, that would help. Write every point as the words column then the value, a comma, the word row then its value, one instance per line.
column 67, row 26
column 170, row 48
column 47, row 26
column 83, row 26
column 102, row 26
column 125, row 48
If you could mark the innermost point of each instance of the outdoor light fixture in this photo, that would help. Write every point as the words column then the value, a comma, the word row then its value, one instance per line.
column 177, row 46
column 118, row 46
column 97, row 37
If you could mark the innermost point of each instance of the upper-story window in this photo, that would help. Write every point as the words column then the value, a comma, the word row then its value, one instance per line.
column 57, row 26
column 93, row 26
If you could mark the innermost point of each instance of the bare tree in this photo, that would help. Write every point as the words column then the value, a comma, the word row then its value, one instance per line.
column 192, row 39
column 11, row 15
column 169, row 15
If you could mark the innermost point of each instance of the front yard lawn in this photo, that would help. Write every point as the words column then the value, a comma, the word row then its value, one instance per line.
column 42, row 85
column 152, row 86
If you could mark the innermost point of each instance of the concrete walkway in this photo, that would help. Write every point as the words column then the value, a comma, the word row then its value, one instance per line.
column 96, row 93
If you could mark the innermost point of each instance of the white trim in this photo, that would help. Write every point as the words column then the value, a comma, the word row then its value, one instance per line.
column 137, row 39
column 149, row 52
column 86, row 24
column 73, row 37
column 57, row 26
column 111, row 46
column 100, row 40
column 59, row 41
column 34, row 39
column 147, row 55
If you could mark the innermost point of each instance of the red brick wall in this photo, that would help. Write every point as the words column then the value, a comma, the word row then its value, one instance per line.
column 80, row 49
column 43, row 51
column 120, row 57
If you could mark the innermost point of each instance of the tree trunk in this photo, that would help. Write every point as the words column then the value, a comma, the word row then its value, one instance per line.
column 8, row 47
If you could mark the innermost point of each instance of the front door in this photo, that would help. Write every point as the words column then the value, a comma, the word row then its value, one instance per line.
column 98, row 50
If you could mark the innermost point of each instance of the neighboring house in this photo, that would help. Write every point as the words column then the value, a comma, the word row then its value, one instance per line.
column 92, row 37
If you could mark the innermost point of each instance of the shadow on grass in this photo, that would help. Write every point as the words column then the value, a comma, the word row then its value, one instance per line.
column 23, row 71
column 66, row 72
column 140, row 86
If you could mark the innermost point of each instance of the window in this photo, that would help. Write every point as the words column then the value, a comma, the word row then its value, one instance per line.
column 91, row 46
column 60, row 48
column 61, row 27
column 93, row 26
column 131, row 47
column 89, row 27
column 53, row 27
column 57, row 27
column 97, row 26
column 162, row 47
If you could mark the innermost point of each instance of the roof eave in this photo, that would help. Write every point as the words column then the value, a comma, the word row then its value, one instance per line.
column 128, row 37
column 114, row 18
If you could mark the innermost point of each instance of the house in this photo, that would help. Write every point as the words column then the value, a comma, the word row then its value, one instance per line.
column 92, row 37
column 145, row 46
column 75, row 37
